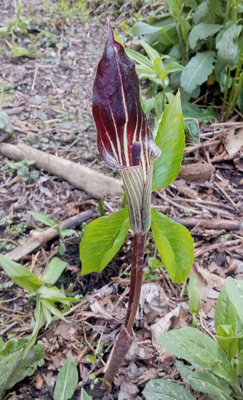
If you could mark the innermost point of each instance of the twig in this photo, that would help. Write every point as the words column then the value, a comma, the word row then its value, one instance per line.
column 226, row 195
column 228, row 225
column 207, row 249
column 3, row 331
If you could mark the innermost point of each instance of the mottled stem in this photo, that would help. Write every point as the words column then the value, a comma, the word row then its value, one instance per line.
column 136, row 279
column 124, row 340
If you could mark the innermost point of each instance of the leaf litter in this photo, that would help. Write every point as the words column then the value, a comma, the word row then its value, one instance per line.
column 208, row 192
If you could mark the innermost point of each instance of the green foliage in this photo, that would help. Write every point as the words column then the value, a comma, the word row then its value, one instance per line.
column 84, row 395
column 174, row 244
column 15, row 25
column 102, row 239
column 56, row 224
column 158, row 389
column 46, row 295
column 197, row 71
column 215, row 366
column 171, row 141
column 6, row 95
column 13, row 366
column 69, row 10
column 194, row 295
column 23, row 169
column 17, row 51
column 206, row 38
column 150, row 272
column 154, row 69
column 67, row 380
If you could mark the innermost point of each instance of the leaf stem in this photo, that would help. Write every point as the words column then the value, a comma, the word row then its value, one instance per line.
column 136, row 279
column 124, row 340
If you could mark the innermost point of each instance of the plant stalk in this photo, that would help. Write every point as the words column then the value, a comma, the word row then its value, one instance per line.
column 136, row 279
column 125, row 340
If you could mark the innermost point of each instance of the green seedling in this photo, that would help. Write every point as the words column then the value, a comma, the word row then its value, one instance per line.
column 194, row 295
column 23, row 169
column 150, row 272
column 47, row 297
column 56, row 225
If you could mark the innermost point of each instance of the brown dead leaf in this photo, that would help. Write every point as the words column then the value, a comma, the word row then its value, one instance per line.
column 128, row 390
column 39, row 381
column 139, row 352
column 234, row 141
column 162, row 326
column 68, row 331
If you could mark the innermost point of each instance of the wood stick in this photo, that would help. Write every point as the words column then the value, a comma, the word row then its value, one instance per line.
column 228, row 225
column 39, row 238
column 96, row 184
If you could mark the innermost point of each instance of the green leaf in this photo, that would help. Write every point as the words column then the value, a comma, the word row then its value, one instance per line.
column 42, row 218
column 234, row 290
column 53, row 309
column 17, row 366
column 141, row 28
column 194, row 295
column 102, row 239
column 205, row 381
column 204, row 115
column 202, row 31
column 84, row 395
column 17, row 51
column 171, row 141
column 152, row 53
column 20, row 275
column 67, row 380
column 159, row 389
column 61, row 248
column 200, row 350
column 54, row 270
column 185, row 28
column 173, row 67
column 225, row 312
column 67, row 232
column 142, row 60
column 228, row 343
column 227, row 44
column 55, row 294
column 197, row 71
column 174, row 244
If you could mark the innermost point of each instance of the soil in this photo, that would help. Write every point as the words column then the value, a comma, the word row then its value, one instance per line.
column 51, row 111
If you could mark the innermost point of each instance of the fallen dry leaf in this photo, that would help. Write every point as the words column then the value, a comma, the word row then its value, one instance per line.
column 162, row 326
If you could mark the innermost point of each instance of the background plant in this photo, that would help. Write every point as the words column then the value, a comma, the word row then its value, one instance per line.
column 56, row 224
column 46, row 295
column 206, row 38
column 215, row 365
column 14, row 366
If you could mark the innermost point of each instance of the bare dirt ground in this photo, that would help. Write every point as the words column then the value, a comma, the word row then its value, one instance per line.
column 51, row 111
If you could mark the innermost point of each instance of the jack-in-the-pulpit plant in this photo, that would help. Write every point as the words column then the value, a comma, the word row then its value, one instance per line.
column 126, row 143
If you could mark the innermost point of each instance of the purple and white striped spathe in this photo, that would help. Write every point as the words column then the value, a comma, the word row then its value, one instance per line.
column 120, row 120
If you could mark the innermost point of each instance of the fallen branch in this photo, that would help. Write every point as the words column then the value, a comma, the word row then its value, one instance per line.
column 228, row 225
column 96, row 184
column 39, row 238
